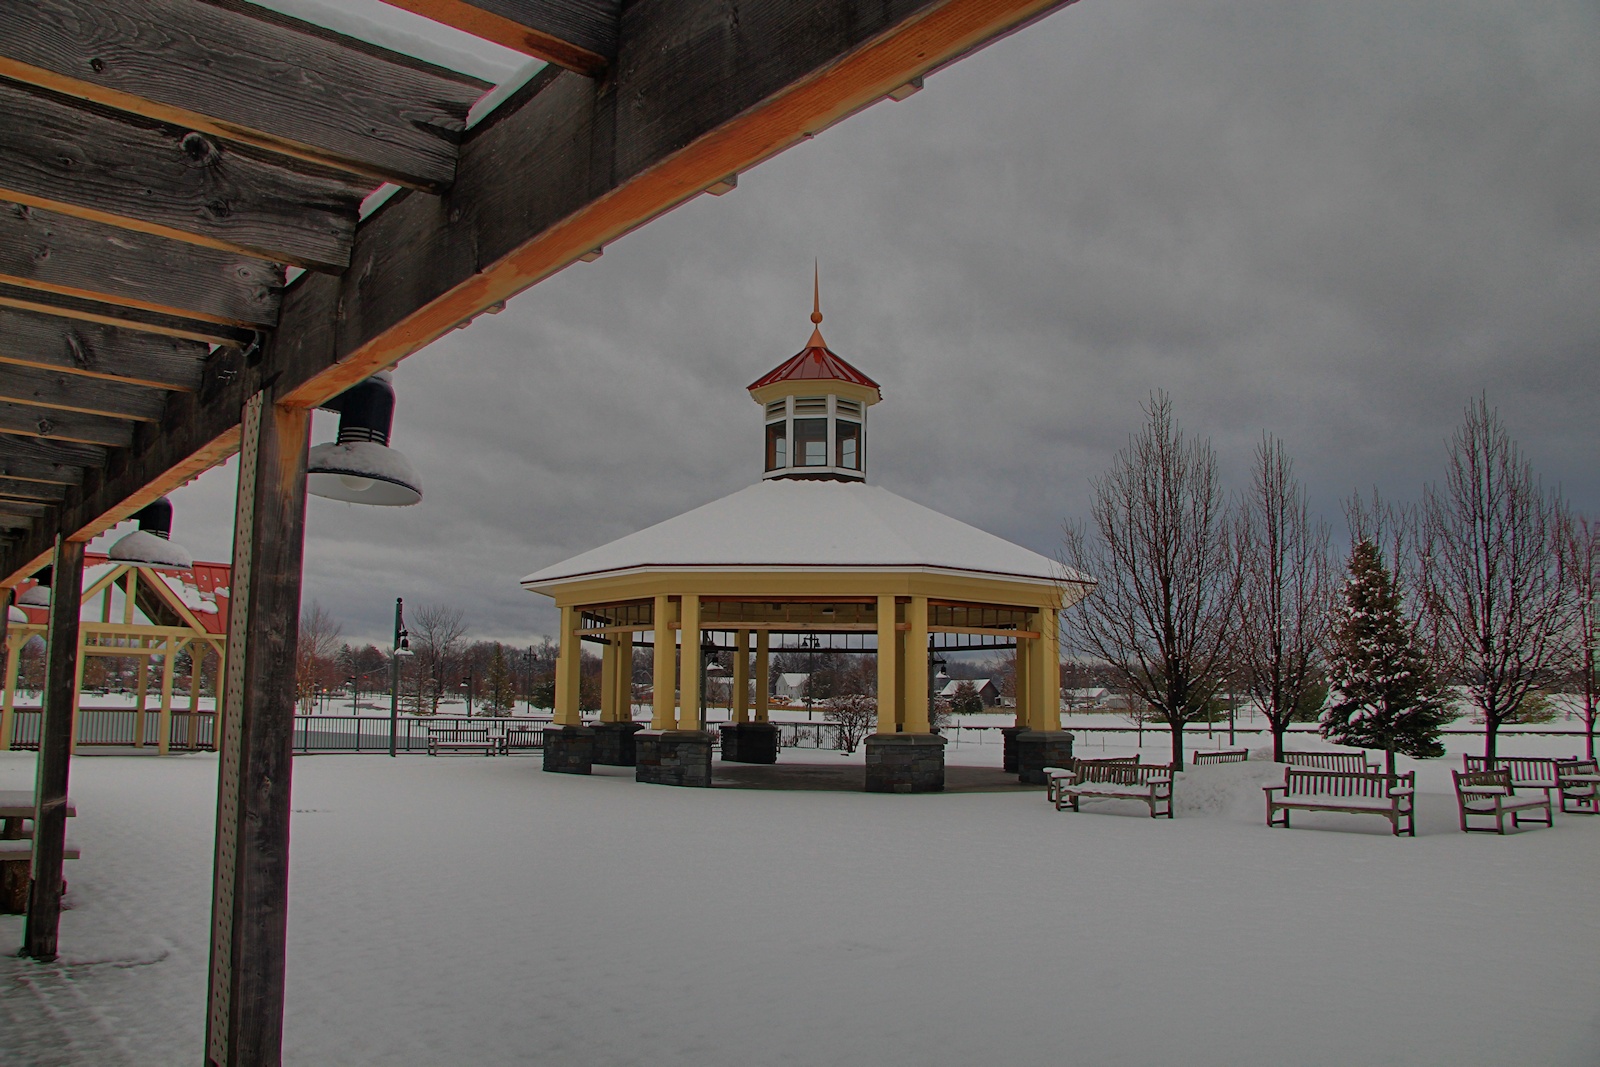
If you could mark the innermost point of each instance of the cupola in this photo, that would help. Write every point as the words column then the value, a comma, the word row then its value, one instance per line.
column 815, row 405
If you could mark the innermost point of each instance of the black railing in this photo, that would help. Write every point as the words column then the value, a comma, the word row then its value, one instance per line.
column 191, row 730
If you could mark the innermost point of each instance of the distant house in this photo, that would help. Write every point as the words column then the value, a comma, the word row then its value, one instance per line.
column 1087, row 698
column 791, row 686
column 987, row 691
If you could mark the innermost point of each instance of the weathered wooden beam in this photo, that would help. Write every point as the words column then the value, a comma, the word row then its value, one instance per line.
column 61, row 425
column 229, row 72
column 57, row 253
column 107, row 166
column 75, row 392
column 132, row 318
column 563, row 168
column 55, row 752
column 16, row 489
column 250, row 896
column 39, row 461
column 88, row 348
column 26, row 508
column 580, row 35
column 11, row 521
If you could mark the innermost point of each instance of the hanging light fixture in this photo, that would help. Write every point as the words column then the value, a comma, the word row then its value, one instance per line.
column 360, row 467
column 38, row 595
column 151, row 544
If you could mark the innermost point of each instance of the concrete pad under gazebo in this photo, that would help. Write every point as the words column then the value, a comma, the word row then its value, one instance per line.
column 810, row 549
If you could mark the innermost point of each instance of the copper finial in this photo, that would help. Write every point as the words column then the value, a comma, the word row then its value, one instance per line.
column 816, row 293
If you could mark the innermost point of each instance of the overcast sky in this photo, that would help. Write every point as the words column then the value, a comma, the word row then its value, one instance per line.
column 1336, row 222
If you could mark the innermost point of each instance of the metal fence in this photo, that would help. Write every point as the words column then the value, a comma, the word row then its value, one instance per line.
column 370, row 733
column 191, row 730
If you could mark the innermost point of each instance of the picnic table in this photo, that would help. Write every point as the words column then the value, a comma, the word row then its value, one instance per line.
column 16, row 848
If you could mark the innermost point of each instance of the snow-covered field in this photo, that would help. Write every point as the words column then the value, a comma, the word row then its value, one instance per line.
column 468, row 910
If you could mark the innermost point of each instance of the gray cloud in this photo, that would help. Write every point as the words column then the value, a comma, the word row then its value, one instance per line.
column 1336, row 222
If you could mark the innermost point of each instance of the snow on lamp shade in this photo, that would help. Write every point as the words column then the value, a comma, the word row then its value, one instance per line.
column 15, row 614
column 360, row 467
column 151, row 544
column 38, row 595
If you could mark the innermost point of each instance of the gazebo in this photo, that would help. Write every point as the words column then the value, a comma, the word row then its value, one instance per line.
column 811, row 548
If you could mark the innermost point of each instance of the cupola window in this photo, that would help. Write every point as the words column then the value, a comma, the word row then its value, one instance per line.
column 811, row 441
column 848, row 438
column 777, row 446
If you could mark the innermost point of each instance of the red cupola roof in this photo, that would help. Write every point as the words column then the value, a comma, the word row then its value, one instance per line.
column 816, row 361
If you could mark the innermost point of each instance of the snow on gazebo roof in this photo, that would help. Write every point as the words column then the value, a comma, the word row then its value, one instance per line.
column 809, row 525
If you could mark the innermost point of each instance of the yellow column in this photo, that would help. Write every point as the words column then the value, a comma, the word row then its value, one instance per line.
column 664, row 680
column 130, row 589
column 77, row 689
column 888, row 664
column 689, row 695
column 219, row 706
column 568, row 661
column 9, row 710
column 624, row 676
column 197, row 662
column 763, row 678
column 142, row 689
column 739, row 696
column 916, row 673
column 1048, row 656
column 608, row 680
column 1023, row 684
column 166, row 699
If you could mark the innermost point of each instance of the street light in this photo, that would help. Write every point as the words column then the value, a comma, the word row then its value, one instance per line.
column 401, row 647
column 466, row 681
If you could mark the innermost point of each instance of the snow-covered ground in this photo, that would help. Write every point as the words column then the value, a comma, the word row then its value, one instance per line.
column 471, row 910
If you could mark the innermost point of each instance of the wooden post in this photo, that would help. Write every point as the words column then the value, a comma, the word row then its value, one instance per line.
column 1048, row 669
column 568, row 662
column 664, row 678
column 167, row 672
column 77, row 684
column 763, row 673
column 916, row 671
column 739, row 695
column 249, row 911
column 142, row 689
column 8, row 712
column 888, row 660
column 1023, row 685
column 624, row 678
column 197, row 662
column 608, row 679
column 689, row 698
column 55, row 748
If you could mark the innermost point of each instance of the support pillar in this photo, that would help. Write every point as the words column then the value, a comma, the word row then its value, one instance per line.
column 1043, row 744
column 744, row 741
column 664, row 675
column 55, row 747
column 916, row 673
column 740, row 693
column 141, row 691
column 249, row 912
column 568, row 745
column 690, row 714
column 608, row 680
column 8, row 710
column 911, row 761
column 613, row 740
column 888, row 660
column 165, row 724
column 763, row 674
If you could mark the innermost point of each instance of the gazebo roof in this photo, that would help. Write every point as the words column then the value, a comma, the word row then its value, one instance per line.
column 810, row 525
column 815, row 362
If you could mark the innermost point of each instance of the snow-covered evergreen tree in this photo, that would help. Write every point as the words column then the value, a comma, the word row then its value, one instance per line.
column 1383, row 692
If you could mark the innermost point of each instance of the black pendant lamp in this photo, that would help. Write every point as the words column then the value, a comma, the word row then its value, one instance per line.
column 360, row 467
column 151, row 545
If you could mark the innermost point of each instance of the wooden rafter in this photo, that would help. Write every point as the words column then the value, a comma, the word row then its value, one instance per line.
column 34, row 339
column 64, row 391
column 283, row 85
column 72, row 257
column 580, row 35
column 567, row 165
column 47, row 461
column 64, row 426
column 84, row 310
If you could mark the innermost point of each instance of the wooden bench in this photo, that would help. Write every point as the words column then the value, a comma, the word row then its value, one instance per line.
column 521, row 738
column 1347, row 762
column 1580, row 786
column 1355, row 792
column 16, row 863
column 1493, row 794
column 1150, row 783
column 1054, row 776
column 1528, row 772
column 461, row 739
column 1227, row 755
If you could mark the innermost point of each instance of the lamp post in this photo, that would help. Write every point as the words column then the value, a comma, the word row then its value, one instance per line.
column 401, row 647
column 810, row 641
column 466, row 681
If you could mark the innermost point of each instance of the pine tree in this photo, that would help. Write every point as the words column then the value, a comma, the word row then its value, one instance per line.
column 1384, row 693
column 502, row 692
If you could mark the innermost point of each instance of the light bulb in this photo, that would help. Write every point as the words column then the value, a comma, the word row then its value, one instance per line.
column 355, row 483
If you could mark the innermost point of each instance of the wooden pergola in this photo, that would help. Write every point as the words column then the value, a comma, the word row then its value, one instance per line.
column 163, row 163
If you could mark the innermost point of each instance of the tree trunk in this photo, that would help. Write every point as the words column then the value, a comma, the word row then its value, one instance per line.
column 1278, row 730
column 1491, row 728
column 1177, row 744
column 1388, row 762
column 1588, row 732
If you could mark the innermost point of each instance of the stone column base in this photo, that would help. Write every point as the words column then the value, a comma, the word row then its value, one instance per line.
column 750, row 742
column 1008, row 754
column 673, row 757
column 613, row 743
column 905, row 763
column 568, row 749
column 1038, row 749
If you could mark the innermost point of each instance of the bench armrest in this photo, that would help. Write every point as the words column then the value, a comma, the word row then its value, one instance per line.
column 1272, row 788
column 1403, row 791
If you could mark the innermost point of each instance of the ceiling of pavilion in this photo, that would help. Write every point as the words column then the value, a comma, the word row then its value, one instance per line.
column 182, row 186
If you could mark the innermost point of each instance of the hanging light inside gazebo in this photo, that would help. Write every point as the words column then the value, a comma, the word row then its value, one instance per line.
column 38, row 595
column 151, row 545
column 360, row 467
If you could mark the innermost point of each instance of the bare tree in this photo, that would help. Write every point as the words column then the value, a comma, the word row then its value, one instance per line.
column 436, row 633
column 1581, row 547
column 1286, row 595
column 854, row 718
column 319, row 640
column 1491, row 570
column 1164, row 611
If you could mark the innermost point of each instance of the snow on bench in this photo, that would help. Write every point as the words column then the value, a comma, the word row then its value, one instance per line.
column 1532, row 772
column 1355, row 792
column 1054, row 776
column 1117, row 780
column 1580, row 786
column 1226, row 755
column 461, row 739
column 1493, row 794
column 1330, row 761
